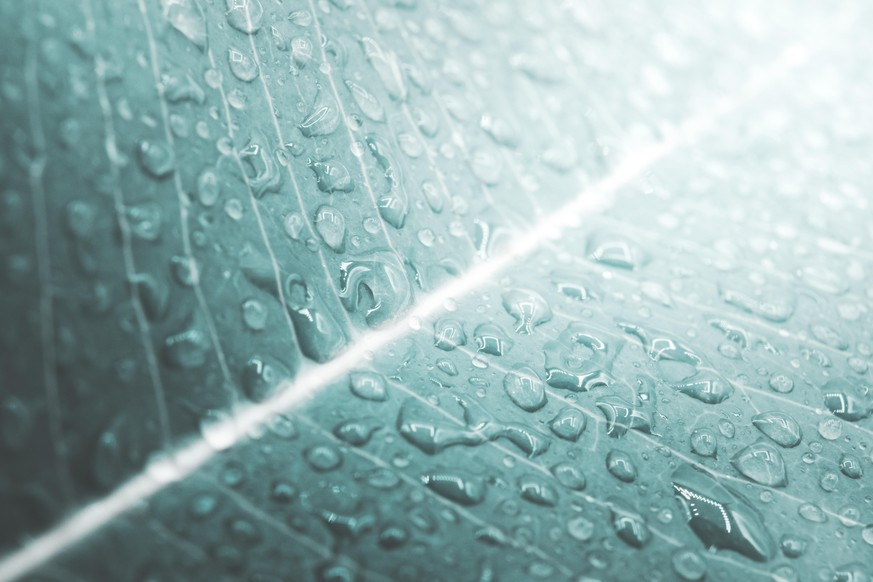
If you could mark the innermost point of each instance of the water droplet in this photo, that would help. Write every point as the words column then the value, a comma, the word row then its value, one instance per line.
column 282, row 426
column 718, row 517
column 386, row 66
column 580, row 528
column 318, row 333
column 704, row 442
column 242, row 66
column 812, row 513
column 263, row 376
column 203, row 506
column 332, row 176
column 616, row 251
column 828, row 481
column 323, row 458
column 260, row 172
column 762, row 463
column 427, row 431
column 323, row 117
column 622, row 416
column 179, row 88
column 79, row 218
column 620, row 465
column 366, row 102
column 524, row 388
column 629, row 525
column 283, row 492
column 781, row 383
column 569, row 476
column 187, row 349
column 771, row 306
column 867, row 534
column 829, row 336
column 567, row 370
column 568, row 424
column 393, row 536
column 426, row 237
column 331, row 227
column 294, row 225
column 458, row 486
column 793, row 545
column 357, row 432
column 830, row 428
column 233, row 207
column 377, row 284
column 368, row 386
column 254, row 314
column 850, row 466
column 393, row 202
column 847, row 400
column 448, row 334
column 688, row 565
column 491, row 339
column 208, row 188
column 528, row 308
column 187, row 18
column 156, row 157
column 245, row 15
column 778, row 427
column 707, row 387
column 537, row 490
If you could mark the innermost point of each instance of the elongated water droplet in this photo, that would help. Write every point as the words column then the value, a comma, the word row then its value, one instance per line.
column 778, row 427
column 720, row 518
column 330, row 225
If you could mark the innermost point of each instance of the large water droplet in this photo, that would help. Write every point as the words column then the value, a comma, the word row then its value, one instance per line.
column 376, row 284
column 245, row 15
column 242, row 66
column 763, row 463
column 720, row 518
column 318, row 333
column 778, row 427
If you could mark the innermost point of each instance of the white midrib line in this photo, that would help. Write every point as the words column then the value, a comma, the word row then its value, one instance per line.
column 187, row 458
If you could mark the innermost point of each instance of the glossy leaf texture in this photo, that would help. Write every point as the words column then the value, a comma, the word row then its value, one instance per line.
column 210, row 204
